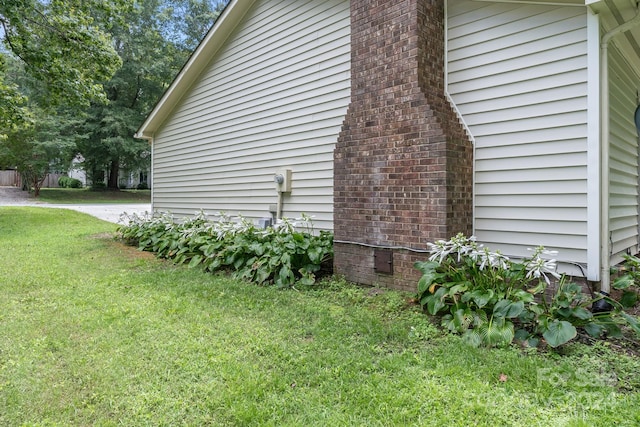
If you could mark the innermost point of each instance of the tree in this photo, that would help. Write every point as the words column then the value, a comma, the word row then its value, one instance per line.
column 37, row 147
column 153, row 40
column 191, row 19
column 13, row 110
column 63, row 45
column 55, row 52
column 106, row 61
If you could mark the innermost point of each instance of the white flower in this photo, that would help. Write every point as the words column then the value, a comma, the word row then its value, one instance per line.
column 540, row 250
column 539, row 267
column 462, row 245
column 499, row 261
column 439, row 250
column 485, row 258
column 459, row 244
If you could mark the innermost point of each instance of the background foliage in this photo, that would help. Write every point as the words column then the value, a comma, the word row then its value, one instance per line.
column 91, row 70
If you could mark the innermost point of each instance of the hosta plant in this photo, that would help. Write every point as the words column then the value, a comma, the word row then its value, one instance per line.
column 283, row 255
column 628, row 281
column 492, row 300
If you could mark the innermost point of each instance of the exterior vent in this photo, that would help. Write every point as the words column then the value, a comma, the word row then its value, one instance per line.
column 383, row 261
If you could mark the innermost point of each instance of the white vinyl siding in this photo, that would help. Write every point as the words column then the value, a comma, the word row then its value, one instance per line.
column 273, row 97
column 517, row 73
column 623, row 156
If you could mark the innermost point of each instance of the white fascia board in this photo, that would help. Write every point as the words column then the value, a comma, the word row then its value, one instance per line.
column 199, row 59
column 550, row 2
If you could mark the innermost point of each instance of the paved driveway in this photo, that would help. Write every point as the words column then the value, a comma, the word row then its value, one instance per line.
column 11, row 196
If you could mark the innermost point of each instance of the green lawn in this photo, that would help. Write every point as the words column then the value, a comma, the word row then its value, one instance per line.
column 85, row 195
column 96, row 333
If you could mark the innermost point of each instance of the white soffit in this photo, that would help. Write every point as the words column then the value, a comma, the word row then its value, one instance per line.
column 614, row 13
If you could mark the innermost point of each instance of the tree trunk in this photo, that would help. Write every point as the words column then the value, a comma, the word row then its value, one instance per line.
column 113, row 175
column 25, row 182
column 36, row 186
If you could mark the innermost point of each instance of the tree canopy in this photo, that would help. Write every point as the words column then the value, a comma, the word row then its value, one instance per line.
column 78, row 76
column 64, row 44
column 153, row 41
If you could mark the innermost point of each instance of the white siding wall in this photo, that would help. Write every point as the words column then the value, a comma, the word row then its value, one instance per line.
column 273, row 97
column 518, row 75
column 623, row 163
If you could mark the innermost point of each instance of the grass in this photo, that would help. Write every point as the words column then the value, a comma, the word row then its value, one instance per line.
column 96, row 333
column 85, row 195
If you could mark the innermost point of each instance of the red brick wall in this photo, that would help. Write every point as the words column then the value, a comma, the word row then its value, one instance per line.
column 403, row 162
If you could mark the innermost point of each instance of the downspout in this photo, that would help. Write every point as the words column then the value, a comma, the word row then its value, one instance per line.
column 605, row 256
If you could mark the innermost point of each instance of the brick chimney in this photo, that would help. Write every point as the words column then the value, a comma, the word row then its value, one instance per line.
column 403, row 162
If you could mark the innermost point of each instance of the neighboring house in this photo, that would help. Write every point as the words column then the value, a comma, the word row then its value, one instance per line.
column 76, row 170
column 403, row 122
column 136, row 178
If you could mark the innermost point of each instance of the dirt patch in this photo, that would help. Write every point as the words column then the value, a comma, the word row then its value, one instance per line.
column 106, row 235
column 14, row 196
column 111, row 239
column 132, row 251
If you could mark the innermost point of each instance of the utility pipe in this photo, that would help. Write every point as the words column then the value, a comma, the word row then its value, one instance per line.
column 279, row 207
column 279, row 179
column 605, row 255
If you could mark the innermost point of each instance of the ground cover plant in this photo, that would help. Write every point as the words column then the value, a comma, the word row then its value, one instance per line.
column 85, row 195
column 492, row 300
column 285, row 254
column 93, row 332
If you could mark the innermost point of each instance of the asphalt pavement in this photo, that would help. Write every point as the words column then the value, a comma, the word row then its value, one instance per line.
column 11, row 196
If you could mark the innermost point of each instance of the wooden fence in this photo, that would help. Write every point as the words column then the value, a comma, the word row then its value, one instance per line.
column 11, row 178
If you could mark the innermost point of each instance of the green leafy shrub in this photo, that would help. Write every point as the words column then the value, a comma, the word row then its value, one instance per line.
column 492, row 300
column 67, row 182
column 142, row 186
column 281, row 255
column 628, row 281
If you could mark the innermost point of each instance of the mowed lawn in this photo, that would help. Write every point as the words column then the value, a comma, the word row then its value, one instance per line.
column 96, row 333
column 86, row 195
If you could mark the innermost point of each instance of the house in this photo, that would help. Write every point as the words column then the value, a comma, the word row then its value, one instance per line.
column 76, row 171
column 132, row 178
column 402, row 122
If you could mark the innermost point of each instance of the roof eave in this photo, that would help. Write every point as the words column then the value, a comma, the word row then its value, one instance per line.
column 199, row 59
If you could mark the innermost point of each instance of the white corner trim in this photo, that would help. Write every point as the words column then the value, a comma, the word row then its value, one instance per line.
column 459, row 114
column 594, row 160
